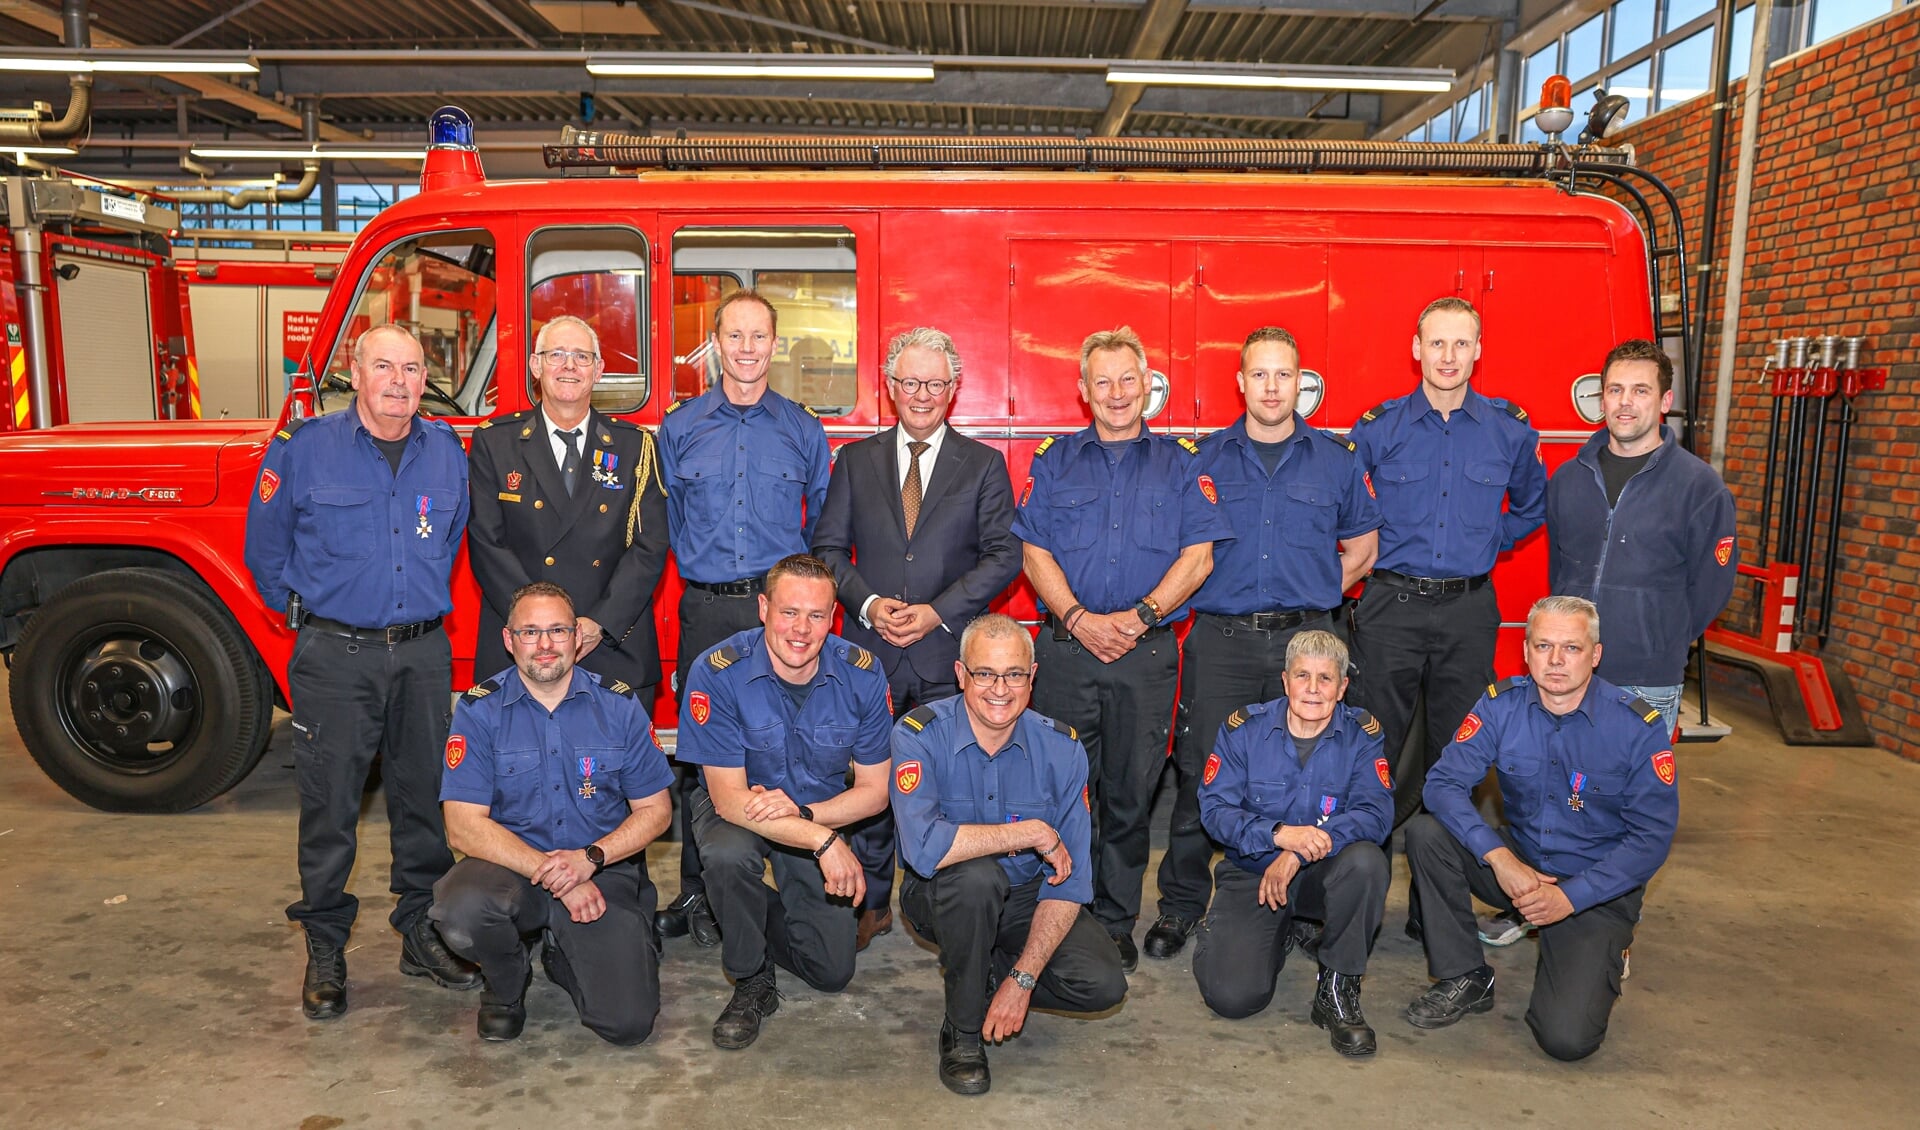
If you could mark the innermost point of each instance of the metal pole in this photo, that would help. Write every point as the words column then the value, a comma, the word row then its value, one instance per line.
column 1710, row 197
column 33, row 299
column 1737, row 243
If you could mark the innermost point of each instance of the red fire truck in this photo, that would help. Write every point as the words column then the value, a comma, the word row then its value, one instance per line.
column 145, row 668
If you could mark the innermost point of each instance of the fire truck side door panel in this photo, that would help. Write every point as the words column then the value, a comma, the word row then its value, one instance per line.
column 230, row 350
column 1241, row 287
column 943, row 269
column 106, row 338
column 1375, row 292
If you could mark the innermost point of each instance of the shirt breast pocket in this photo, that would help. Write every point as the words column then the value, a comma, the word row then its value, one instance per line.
column 766, row 753
column 1403, row 491
column 441, row 504
column 1270, row 788
column 516, row 786
column 1310, row 515
column 606, row 808
column 779, row 483
column 1485, row 483
column 830, row 750
column 1078, row 516
column 345, row 520
column 1604, row 794
column 1520, row 779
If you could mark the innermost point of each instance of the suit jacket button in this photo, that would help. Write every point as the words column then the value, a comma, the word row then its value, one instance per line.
column 537, row 504
column 596, row 563
column 549, row 560
column 603, row 508
column 909, row 557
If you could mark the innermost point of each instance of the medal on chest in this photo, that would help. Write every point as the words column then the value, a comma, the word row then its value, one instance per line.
column 1327, row 805
column 1574, row 801
column 424, row 529
column 587, row 789
column 604, row 463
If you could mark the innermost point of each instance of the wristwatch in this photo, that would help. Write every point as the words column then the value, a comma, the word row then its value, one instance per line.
column 1024, row 980
column 596, row 857
column 1149, row 615
column 805, row 812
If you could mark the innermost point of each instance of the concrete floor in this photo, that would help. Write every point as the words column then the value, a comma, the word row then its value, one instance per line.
column 150, row 980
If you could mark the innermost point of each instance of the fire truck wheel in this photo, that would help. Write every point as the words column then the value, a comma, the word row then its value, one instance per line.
column 136, row 692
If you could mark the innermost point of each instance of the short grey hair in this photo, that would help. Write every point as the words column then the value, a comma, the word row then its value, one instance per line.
column 1318, row 645
column 360, row 343
column 540, row 341
column 1122, row 338
column 994, row 626
column 923, row 337
column 1566, row 606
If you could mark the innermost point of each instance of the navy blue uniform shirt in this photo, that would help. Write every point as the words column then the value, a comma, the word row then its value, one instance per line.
column 943, row 779
column 1660, row 563
column 529, row 766
column 1253, row 780
column 1441, row 482
column 1284, row 553
column 1115, row 526
column 743, row 489
column 330, row 520
column 1612, row 751
column 739, row 715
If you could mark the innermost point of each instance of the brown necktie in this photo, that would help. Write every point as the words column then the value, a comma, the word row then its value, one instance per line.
column 910, row 490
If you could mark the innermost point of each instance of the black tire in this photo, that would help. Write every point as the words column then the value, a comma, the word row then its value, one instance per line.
column 135, row 691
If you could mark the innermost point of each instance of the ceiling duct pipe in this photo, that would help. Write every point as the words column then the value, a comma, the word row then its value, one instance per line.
column 79, row 116
column 278, row 194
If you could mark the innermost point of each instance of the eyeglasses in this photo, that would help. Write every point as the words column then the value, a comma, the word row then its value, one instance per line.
column 912, row 387
column 1014, row 679
column 565, row 357
column 533, row 635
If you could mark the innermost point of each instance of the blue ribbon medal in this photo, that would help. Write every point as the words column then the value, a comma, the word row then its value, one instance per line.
column 587, row 766
column 1574, row 801
column 1327, row 805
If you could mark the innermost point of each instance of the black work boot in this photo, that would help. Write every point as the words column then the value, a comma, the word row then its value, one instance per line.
column 502, row 1019
column 1450, row 1000
column 423, row 954
column 963, row 1061
column 689, row 914
column 323, row 996
column 1168, row 935
column 1336, row 1007
column 754, row 999
column 1305, row 935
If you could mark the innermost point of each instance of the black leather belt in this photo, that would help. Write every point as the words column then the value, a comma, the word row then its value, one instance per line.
column 1060, row 632
column 1269, row 621
column 1430, row 586
column 752, row 586
column 399, row 633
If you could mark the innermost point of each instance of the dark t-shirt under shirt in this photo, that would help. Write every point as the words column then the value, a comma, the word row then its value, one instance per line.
column 393, row 449
column 1617, row 469
column 1270, row 453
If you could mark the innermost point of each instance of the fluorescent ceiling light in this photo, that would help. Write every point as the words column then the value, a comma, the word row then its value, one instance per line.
column 41, row 150
column 1282, row 81
column 889, row 72
column 315, row 154
column 149, row 65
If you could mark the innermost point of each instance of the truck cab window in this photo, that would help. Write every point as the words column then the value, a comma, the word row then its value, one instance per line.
column 440, row 286
column 808, row 275
column 598, row 275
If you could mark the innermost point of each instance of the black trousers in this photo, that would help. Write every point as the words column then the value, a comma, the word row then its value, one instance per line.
column 1123, row 711
column 487, row 913
column 705, row 619
column 352, row 700
column 1242, row 945
column 1577, row 978
column 1407, row 643
column 980, row 921
column 1226, row 668
column 806, row 931
column 872, row 839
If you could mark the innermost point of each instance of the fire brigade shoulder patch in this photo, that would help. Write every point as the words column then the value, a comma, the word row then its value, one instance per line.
column 1236, row 720
column 1649, row 713
column 456, row 750
column 269, row 482
column 1381, row 770
column 1044, row 444
column 1065, row 729
column 1086, row 797
column 294, row 424
column 721, row 658
column 481, row 690
column 1192, row 447
column 1663, row 766
column 1212, row 770
column 906, row 776
column 860, row 657
column 1469, row 726
column 1026, row 492
column 1368, row 722
column 1723, row 551
column 700, row 707
column 1367, row 478
column 1515, row 411
column 1207, row 488
column 917, row 718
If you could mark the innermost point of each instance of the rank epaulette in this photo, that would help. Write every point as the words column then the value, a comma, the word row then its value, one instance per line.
column 481, row 690
column 1373, row 413
column 808, row 409
column 1063, row 728
column 1236, row 720
column 674, row 405
column 860, row 657
column 917, row 718
column 721, row 658
column 1367, row 722
column 1192, row 447
column 1516, row 411
column 1494, row 690
column 509, row 418
column 1645, row 709
column 1044, row 444
column 618, row 687
column 1346, row 443
column 294, row 424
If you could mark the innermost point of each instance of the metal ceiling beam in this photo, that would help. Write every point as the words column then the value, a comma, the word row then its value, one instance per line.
column 215, row 22
column 1453, row 10
column 1151, row 34
column 505, row 21
column 207, row 86
column 783, row 25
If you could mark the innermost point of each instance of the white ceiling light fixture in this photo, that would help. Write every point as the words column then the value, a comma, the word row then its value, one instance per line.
column 1383, row 80
column 314, row 153
column 738, row 66
column 169, row 63
column 40, row 150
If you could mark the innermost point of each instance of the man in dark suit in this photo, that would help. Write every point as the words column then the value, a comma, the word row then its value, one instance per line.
column 928, row 513
column 565, row 494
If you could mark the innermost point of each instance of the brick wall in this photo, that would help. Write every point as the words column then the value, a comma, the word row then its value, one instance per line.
column 1833, row 247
